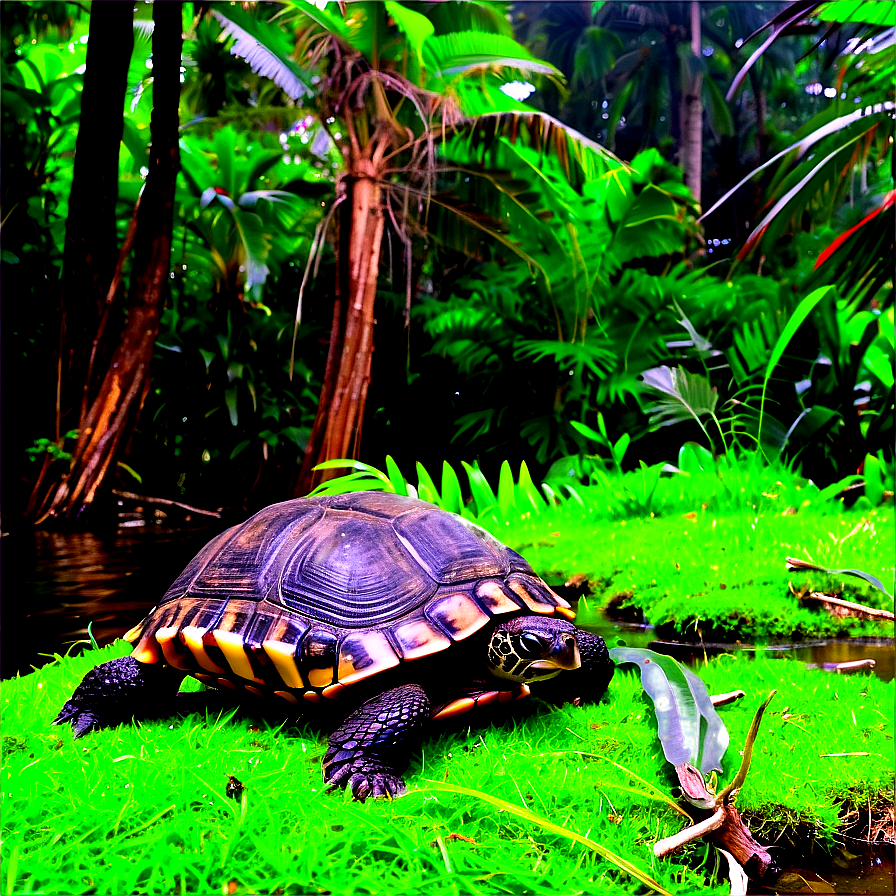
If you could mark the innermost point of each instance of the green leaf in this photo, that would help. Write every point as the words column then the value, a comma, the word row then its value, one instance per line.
column 874, row 480
column 689, row 395
column 239, row 448
column 694, row 458
column 265, row 46
column 321, row 16
column 463, row 52
column 452, row 499
column 426, row 488
column 530, row 490
column 587, row 431
column 484, row 498
column 256, row 246
column 802, row 311
column 866, row 13
column 415, row 26
column 506, row 496
column 399, row 483
column 230, row 399
column 680, row 700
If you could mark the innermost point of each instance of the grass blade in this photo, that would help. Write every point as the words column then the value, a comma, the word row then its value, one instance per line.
column 803, row 310
column 483, row 495
column 529, row 489
column 530, row 816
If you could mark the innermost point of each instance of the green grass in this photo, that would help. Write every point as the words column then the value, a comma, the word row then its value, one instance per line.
column 720, row 575
column 142, row 808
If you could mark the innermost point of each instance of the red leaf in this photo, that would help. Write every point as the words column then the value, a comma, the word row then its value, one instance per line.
column 888, row 201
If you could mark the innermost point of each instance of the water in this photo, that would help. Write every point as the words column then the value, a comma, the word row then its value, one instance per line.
column 55, row 585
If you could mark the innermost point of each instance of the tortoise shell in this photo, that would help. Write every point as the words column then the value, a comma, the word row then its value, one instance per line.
column 312, row 595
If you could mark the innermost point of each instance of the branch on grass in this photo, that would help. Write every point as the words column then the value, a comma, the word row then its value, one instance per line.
column 667, row 844
column 725, row 699
column 837, row 607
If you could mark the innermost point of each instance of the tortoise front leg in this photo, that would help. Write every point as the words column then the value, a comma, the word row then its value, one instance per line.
column 116, row 691
column 372, row 746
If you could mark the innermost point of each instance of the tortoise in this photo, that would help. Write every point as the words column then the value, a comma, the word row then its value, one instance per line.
column 399, row 612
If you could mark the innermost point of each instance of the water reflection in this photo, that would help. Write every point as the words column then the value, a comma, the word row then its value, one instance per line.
column 56, row 584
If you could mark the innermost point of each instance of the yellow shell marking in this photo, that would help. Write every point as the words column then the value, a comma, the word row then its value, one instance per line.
column 192, row 636
column 284, row 660
column 363, row 655
column 235, row 653
column 171, row 648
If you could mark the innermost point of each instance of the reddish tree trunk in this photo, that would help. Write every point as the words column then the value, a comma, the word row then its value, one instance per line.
column 89, row 256
column 340, row 414
column 113, row 413
column 91, row 246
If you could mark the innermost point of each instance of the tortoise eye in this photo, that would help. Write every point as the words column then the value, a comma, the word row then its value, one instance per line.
column 530, row 646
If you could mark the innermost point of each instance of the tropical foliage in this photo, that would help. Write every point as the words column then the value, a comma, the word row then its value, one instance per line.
column 524, row 286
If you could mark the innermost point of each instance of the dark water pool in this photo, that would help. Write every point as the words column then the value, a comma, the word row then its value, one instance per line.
column 56, row 584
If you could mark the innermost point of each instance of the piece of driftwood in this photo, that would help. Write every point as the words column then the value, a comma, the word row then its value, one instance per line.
column 723, row 825
column 165, row 502
column 837, row 607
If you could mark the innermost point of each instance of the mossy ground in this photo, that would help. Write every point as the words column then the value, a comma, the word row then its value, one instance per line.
column 717, row 575
column 143, row 808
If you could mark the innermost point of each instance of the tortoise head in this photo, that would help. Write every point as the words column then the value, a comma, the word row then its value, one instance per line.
column 532, row 648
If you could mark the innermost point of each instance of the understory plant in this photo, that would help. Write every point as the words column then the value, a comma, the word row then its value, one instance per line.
column 683, row 708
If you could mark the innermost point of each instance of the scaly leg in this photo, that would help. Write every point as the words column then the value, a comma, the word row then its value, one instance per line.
column 372, row 746
column 114, row 692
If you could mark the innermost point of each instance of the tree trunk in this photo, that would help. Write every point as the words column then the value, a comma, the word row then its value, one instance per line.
column 113, row 413
column 91, row 247
column 691, row 115
column 90, row 252
column 340, row 413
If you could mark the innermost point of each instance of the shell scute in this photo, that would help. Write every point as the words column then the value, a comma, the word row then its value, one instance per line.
column 353, row 573
column 451, row 549
column 458, row 615
column 248, row 563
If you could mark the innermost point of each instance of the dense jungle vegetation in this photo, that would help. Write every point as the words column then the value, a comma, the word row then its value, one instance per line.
column 239, row 237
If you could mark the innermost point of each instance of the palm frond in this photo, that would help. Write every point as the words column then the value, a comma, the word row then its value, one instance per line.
column 687, row 395
column 580, row 159
column 462, row 52
column 264, row 46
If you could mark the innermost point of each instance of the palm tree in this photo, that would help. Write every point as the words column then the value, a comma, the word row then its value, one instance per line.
column 389, row 84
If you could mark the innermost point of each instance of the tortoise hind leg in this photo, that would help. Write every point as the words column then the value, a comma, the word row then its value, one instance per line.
column 372, row 746
column 116, row 691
